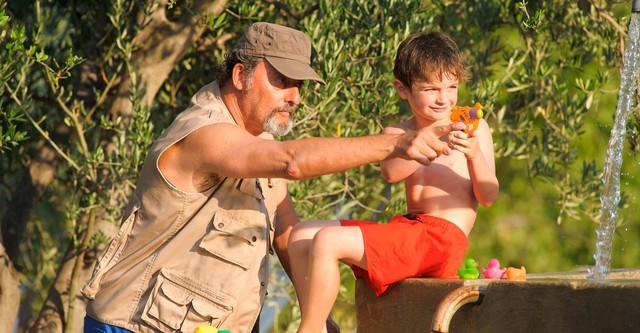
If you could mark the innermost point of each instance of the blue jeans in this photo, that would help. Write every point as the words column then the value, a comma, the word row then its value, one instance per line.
column 93, row 326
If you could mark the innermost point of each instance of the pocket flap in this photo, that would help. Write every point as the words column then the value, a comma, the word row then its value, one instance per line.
column 207, row 309
column 232, row 240
column 177, row 294
column 224, row 222
column 197, row 289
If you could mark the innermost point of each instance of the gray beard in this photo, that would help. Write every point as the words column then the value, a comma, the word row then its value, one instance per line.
column 270, row 126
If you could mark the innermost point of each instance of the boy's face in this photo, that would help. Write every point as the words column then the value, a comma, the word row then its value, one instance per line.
column 431, row 101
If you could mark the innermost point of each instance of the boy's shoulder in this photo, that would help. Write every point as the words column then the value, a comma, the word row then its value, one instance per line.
column 401, row 127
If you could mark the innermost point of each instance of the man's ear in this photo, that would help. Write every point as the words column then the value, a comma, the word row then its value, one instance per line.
column 401, row 89
column 238, row 76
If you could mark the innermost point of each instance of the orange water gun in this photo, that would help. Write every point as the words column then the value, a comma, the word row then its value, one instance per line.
column 470, row 116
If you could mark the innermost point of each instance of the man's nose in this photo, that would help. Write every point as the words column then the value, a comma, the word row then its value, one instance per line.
column 293, row 95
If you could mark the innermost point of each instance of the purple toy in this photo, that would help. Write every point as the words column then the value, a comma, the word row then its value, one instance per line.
column 493, row 270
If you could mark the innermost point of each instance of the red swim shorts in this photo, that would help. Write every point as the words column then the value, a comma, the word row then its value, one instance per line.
column 409, row 245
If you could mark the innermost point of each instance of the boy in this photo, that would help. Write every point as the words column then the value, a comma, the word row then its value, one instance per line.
column 442, row 198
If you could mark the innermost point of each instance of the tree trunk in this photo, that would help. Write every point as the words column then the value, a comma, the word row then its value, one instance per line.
column 161, row 45
column 9, row 292
column 39, row 174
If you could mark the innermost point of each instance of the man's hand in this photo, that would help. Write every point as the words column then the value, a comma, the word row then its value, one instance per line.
column 425, row 145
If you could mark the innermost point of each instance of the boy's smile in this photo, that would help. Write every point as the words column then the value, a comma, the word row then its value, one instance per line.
column 431, row 101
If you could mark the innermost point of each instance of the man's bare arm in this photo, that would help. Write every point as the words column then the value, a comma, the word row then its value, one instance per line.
column 286, row 218
column 241, row 155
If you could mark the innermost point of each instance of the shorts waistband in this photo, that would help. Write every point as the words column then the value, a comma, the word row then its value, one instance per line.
column 434, row 221
column 422, row 218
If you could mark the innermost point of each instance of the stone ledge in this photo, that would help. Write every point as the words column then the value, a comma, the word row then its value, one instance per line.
column 544, row 303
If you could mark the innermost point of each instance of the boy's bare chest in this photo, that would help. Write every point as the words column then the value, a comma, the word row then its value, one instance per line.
column 431, row 188
column 445, row 171
column 444, row 166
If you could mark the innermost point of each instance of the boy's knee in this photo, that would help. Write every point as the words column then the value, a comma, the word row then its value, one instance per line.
column 297, row 232
column 299, row 238
column 323, row 241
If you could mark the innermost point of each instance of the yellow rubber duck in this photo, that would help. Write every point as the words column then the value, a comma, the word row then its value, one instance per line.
column 205, row 329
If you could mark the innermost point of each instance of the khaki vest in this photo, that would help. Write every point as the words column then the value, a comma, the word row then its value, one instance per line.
column 185, row 259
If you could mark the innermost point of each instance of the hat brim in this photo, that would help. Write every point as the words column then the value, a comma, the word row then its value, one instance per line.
column 294, row 69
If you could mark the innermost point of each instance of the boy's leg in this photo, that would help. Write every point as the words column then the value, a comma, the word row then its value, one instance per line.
column 329, row 245
column 299, row 244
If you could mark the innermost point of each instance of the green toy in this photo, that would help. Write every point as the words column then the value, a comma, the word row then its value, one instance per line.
column 469, row 270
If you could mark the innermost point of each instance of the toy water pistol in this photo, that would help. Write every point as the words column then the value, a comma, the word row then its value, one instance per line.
column 468, row 115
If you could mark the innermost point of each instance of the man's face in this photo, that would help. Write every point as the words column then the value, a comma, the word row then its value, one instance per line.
column 272, row 99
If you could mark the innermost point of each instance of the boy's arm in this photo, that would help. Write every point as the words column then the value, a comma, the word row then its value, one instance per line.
column 478, row 150
column 397, row 169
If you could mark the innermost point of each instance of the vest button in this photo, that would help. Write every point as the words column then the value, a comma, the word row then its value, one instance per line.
column 254, row 238
column 220, row 225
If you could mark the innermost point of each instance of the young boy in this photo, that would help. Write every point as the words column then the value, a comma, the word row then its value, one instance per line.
column 442, row 198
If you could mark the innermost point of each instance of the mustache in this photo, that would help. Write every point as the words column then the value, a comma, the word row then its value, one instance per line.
column 285, row 108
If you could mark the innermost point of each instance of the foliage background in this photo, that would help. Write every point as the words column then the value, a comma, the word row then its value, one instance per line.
column 73, row 77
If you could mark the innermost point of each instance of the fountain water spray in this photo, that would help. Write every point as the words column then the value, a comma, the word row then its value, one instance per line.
column 610, row 196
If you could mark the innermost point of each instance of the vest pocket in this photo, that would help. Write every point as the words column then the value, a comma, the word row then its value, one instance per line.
column 110, row 255
column 180, row 303
column 232, row 240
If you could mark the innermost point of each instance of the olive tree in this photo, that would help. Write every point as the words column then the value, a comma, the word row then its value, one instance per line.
column 86, row 86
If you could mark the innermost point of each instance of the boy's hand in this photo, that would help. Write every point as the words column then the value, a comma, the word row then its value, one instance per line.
column 465, row 143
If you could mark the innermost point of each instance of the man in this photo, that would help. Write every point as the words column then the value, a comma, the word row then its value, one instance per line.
column 212, row 198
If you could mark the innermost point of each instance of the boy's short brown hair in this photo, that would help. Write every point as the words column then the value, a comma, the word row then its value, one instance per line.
column 426, row 56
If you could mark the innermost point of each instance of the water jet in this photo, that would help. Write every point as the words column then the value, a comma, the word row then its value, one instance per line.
column 610, row 195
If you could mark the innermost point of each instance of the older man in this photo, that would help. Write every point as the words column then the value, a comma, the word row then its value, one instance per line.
column 212, row 197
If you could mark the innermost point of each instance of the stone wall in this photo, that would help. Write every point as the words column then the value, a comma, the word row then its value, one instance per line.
column 543, row 303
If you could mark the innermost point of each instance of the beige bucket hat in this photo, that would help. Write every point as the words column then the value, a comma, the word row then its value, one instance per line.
column 286, row 49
